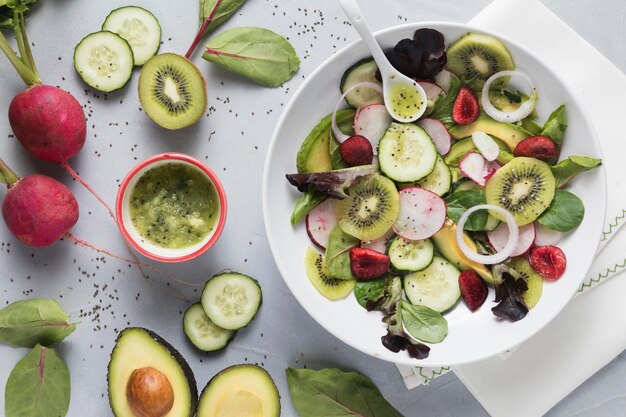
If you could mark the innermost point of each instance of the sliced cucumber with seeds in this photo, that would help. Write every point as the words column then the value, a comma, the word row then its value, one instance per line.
column 439, row 181
column 202, row 332
column 231, row 300
column 436, row 287
column 410, row 255
column 406, row 153
column 104, row 60
column 139, row 27
column 364, row 70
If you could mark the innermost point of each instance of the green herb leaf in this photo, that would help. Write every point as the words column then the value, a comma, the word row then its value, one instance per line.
column 556, row 125
column 338, row 254
column 332, row 392
column 38, row 386
column 442, row 109
column 256, row 53
column 307, row 202
column 461, row 201
column 365, row 291
column 567, row 169
column 224, row 11
column 565, row 212
column 424, row 323
column 28, row 322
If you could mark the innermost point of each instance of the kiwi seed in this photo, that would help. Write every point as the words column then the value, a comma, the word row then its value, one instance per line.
column 329, row 287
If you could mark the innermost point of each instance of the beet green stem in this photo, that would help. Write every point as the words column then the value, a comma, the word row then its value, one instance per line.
column 202, row 30
column 7, row 175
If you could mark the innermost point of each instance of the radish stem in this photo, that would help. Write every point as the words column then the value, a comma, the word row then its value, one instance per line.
column 78, row 178
column 202, row 29
column 30, row 60
column 7, row 175
column 23, row 70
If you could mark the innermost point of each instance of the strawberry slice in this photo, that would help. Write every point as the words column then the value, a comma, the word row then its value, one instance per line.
column 367, row 264
column 548, row 261
column 465, row 109
column 540, row 147
column 356, row 150
column 473, row 289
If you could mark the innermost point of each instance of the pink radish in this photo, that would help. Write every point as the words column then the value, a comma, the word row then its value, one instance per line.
column 486, row 145
column 320, row 222
column 380, row 244
column 438, row 133
column 547, row 237
column 500, row 236
column 422, row 214
column 432, row 91
column 48, row 121
column 489, row 169
column 372, row 122
column 443, row 80
column 472, row 165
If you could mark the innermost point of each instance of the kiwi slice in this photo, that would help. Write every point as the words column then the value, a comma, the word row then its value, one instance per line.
column 478, row 56
column 525, row 187
column 532, row 278
column 371, row 209
column 172, row 91
column 316, row 271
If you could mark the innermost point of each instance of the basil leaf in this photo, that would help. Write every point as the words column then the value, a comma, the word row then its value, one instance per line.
column 224, row 11
column 307, row 202
column 26, row 323
column 338, row 254
column 565, row 212
column 567, row 169
column 556, row 125
column 332, row 392
column 366, row 291
column 424, row 323
column 38, row 386
column 461, row 201
column 256, row 53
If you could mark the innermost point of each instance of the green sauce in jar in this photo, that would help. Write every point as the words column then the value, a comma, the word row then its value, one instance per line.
column 174, row 205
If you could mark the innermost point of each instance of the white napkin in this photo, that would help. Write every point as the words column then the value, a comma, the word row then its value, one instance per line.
column 496, row 379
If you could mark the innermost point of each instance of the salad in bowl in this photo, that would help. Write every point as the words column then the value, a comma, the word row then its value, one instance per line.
column 449, row 229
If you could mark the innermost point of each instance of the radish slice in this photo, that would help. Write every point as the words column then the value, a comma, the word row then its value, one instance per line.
column 486, row 145
column 320, row 222
column 547, row 237
column 339, row 135
column 380, row 244
column 422, row 214
column 432, row 91
column 438, row 133
column 508, row 116
column 488, row 259
column 443, row 80
column 472, row 165
column 372, row 122
column 500, row 236
column 489, row 169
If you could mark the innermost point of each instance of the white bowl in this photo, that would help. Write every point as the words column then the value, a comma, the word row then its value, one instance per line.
column 471, row 336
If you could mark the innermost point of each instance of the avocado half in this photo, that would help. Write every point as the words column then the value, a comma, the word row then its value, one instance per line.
column 240, row 390
column 138, row 348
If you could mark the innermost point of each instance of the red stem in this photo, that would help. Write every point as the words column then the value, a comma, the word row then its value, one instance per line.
column 77, row 177
column 202, row 29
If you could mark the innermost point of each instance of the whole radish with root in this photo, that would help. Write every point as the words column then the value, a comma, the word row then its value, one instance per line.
column 48, row 121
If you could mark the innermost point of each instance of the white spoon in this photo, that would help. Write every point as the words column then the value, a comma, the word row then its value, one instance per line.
column 404, row 98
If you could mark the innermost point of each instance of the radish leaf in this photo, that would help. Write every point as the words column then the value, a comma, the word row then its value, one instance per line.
column 256, row 53
column 224, row 11
column 38, row 386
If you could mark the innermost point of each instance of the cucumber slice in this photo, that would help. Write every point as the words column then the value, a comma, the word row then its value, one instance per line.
column 104, row 60
column 440, row 180
column 410, row 255
column 231, row 300
column 202, row 332
column 406, row 153
column 139, row 27
column 436, row 287
column 364, row 70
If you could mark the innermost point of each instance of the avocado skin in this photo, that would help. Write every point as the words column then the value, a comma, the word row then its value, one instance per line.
column 191, row 380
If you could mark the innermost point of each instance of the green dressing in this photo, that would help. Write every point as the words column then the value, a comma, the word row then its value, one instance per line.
column 174, row 205
column 405, row 100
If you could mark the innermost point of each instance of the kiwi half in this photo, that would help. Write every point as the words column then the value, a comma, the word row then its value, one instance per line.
column 329, row 287
column 371, row 209
column 525, row 187
column 532, row 278
column 478, row 56
column 172, row 91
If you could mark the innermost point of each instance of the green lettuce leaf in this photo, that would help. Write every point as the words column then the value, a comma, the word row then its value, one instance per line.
column 338, row 254
column 556, row 125
column 567, row 169
column 565, row 212
column 461, row 201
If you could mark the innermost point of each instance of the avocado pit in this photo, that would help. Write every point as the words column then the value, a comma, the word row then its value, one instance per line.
column 149, row 393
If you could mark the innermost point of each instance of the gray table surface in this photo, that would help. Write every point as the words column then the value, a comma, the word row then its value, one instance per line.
column 106, row 295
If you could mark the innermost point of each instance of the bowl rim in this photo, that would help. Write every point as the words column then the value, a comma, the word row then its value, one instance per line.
column 295, row 98
column 171, row 156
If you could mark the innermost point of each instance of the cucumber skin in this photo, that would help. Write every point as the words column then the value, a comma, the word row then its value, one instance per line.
column 396, row 271
column 347, row 72
column 230, row 339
